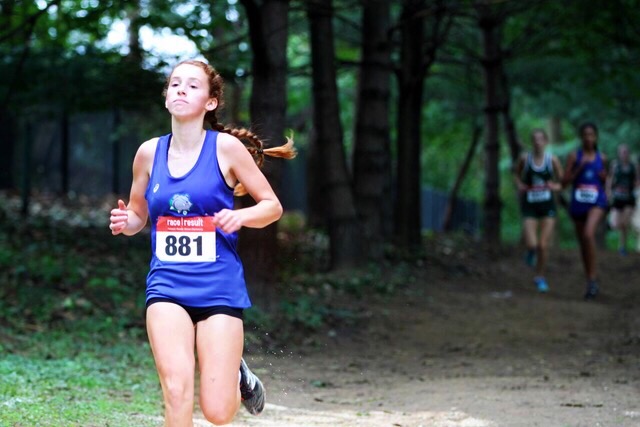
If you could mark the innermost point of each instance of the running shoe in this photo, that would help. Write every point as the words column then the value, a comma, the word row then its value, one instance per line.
column 251, row 390
column 530, row 258
column 541, row 284
column 592, row 290
column 622, row 251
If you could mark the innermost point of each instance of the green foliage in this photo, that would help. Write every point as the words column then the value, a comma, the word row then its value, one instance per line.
column 65, row 379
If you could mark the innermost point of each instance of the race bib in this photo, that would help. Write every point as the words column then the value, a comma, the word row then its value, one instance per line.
column 538, row 195
column 587, row 194
column 186, row 239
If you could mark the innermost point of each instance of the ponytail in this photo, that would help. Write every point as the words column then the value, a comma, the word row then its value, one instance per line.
column 254, row 145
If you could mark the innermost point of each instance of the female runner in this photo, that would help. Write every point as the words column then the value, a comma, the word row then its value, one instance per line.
column 536, row 176
column 621, row 185
column 586, row 171
column 184, row 182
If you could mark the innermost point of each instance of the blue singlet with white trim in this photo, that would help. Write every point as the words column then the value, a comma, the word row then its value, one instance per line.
column 192, row 262
column 588, row 189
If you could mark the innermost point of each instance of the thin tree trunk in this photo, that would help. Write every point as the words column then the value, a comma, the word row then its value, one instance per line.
column 65, row 151
column 26, row 170
column 555, row 129
column 411, row 82
column 372, row 153
column 515, row 147
column 447, row 223
column 268, row 32
column 135, row 50
column 344, row 233
column 7, row 136
column 489, row 26
column 19, row 36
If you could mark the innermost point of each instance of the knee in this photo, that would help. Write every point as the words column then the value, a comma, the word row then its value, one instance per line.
column 177, row 393
column 219, row 414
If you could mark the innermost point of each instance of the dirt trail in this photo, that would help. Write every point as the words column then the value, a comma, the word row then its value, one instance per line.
column 472, row 344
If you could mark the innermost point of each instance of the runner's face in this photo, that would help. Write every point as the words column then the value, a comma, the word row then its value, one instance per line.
column 623, row 153
column 539, row 142
column 589, row 138
column 188, row 92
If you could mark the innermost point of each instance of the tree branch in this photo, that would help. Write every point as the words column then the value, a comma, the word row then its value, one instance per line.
column 31, row 20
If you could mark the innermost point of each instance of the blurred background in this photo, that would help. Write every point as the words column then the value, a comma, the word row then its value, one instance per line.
column 407, row 115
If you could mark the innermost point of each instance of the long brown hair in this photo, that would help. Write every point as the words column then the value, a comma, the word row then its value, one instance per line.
column 251, row 141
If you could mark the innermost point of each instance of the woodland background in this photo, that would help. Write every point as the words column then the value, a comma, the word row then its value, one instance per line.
column 407, row 114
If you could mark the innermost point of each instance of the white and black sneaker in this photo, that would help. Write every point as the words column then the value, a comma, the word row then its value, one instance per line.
column 251, row 390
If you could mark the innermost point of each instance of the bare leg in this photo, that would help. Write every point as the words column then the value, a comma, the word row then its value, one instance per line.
column 219, row 341
column 546, row 231
column 530, row 232
column 594, row 217
column 530, row 226
column 172, row 338
column 580, row 226
column 625, row 219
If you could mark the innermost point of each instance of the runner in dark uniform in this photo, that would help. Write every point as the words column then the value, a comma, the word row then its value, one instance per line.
column 586, row 171
column 536, row 175
column 621, row 183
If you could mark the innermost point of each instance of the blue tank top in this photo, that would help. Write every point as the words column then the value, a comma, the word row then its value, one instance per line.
column 588, row 189
column 192, row 262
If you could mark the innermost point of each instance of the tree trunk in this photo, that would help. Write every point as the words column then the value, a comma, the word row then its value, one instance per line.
column 509, row 125
column 410, row 80
column 133, row 32
column 372, row 153
column 344, row 233
column 491, row 65
column 26, row 170
column 65, row 151
column 268, row 32
column 449, row 212
column 7, row 136
column 555, row 129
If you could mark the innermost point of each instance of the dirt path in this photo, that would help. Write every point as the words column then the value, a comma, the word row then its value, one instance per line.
column 472, row 344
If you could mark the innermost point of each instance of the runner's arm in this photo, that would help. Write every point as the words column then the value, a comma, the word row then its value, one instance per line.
column 244, row 169
column 517, row 174
column 569, row 173
column 609, row 183
column 558, row 173
column 130, row 219
column 605, row 168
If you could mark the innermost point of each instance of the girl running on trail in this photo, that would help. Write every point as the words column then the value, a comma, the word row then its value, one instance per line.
column 196, row 292
column 537, row 176
column 586, row 171
column 621, row 183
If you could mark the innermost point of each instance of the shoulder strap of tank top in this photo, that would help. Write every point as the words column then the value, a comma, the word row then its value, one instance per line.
column 548, row 162
column 159, row 159
column 212, row 143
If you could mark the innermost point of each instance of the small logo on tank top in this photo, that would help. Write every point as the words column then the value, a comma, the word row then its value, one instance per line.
column 155, row 189
column 180, row 203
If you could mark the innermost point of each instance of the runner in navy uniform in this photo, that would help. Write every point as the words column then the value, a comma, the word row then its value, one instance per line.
column 184, row 182
column 621, row 184
column 536, row 176
column 586, row 171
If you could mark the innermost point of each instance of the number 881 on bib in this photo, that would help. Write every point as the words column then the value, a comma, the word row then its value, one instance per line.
column 186, row 239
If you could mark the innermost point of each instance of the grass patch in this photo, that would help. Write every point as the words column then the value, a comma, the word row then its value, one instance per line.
column 53, row 381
